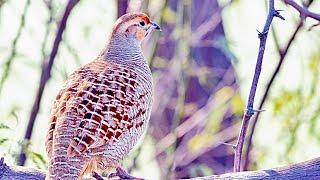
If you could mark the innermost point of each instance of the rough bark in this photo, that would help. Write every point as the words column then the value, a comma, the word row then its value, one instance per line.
column 19, row 172
column 305, row 170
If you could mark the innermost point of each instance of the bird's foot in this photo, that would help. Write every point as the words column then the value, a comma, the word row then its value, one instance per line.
column 97, row 176
column 122, row 174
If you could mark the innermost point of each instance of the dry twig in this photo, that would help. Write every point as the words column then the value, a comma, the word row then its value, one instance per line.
column 282, row 53
column 250, row 111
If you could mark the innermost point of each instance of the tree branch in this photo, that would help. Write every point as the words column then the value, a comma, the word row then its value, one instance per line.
column 282, row 53
column 250, row 111
column 304, row 12
column 45, row 74
column 19, row 172
column 305, row 170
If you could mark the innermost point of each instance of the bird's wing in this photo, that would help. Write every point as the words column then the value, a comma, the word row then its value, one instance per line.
column 109, row 104
column 64, row 97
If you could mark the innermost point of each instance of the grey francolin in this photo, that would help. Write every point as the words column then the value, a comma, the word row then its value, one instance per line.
column 104, row 107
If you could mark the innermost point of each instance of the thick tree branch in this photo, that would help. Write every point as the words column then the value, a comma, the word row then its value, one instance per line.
column 19, row 172
column 250, row 111
column 304, row 12
column 305, row 170
column 45, row 75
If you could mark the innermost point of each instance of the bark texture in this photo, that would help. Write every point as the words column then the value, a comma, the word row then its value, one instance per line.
column 305, row 170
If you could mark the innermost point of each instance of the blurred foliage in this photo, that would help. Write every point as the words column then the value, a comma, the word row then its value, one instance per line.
column 38, row 160
column 299, row 106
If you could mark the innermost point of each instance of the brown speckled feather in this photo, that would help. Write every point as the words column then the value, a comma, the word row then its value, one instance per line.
column 106, row 99
column 100, row 102
column 104, row 107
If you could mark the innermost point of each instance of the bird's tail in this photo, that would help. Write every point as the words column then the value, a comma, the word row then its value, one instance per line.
column 61, row 165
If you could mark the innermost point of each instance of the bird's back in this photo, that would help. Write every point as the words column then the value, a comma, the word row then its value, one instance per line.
column 101, row 112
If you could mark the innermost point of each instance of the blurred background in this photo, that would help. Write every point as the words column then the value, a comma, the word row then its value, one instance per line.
column 203, row 63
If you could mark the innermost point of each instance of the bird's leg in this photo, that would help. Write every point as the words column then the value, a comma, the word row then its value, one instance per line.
column 97, row 176
column 122, row 174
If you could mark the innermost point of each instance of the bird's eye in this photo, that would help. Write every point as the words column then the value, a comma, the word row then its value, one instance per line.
column 142, row 23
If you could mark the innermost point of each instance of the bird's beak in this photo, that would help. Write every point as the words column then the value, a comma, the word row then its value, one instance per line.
column 155, row 26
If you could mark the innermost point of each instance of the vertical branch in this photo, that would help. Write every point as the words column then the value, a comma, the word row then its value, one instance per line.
column 282, row 53
column 122, row 7
column 250, row 111
column 9, row 61
column 45, row 75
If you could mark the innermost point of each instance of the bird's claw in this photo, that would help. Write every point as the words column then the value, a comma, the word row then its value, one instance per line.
column 122, row 174
column 97, row 176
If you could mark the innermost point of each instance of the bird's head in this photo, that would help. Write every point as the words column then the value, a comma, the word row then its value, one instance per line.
column 134, row 25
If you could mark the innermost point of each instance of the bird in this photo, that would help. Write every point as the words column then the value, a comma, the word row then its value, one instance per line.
column 104, row 107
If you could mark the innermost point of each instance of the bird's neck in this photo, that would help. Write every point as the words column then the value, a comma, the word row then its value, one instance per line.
column 123, row 50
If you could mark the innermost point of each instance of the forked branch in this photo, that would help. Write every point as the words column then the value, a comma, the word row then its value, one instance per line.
column 304, row 12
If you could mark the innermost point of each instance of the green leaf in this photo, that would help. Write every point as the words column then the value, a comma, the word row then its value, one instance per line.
column 3, row 140
column 3, row 126
column 38, row 159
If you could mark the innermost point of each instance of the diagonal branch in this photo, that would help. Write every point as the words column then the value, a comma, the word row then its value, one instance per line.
column 45, row 74
column 304, row 12
column 250, row 111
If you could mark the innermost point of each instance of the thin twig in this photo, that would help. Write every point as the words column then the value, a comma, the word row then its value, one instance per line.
column 46, row 73
column 250, row 111
column 197, row 117
column 304, row 12
column 135, row 159
column 282, row 53
column 48, row 23
column 9, row 61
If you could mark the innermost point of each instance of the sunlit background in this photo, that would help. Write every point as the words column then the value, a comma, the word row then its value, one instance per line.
column 203, row 62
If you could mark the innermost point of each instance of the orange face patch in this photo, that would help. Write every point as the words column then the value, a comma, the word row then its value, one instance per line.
column 140, row 34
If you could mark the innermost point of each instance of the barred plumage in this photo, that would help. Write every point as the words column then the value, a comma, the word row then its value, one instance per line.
column 103, row 108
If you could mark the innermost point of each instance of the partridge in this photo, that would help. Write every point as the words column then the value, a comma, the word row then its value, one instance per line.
column 104, row 106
